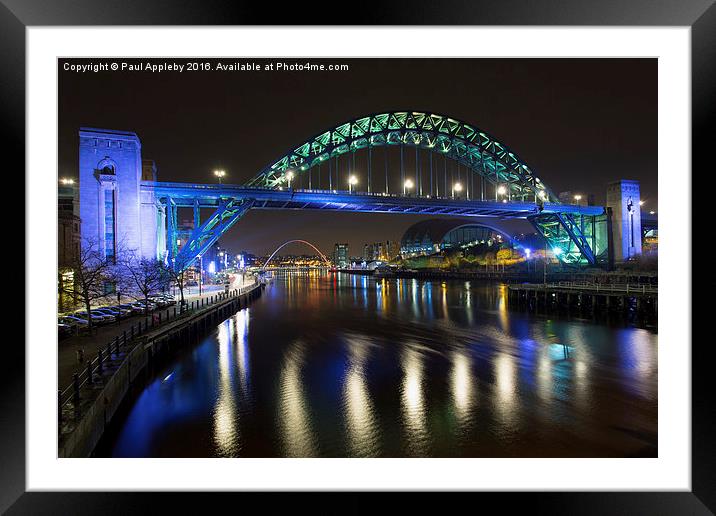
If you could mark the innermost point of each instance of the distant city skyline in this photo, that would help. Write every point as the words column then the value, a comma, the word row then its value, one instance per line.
column 579, row 123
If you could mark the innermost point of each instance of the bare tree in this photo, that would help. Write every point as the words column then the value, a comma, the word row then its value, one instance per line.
column 176, row 269
column 142, row 277
column 93, row 276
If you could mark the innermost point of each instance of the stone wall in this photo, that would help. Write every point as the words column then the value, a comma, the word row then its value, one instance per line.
column 112, row 160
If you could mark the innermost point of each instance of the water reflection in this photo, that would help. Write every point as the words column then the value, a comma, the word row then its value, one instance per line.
column 225, row 414
column 241, row 333
column 506, row 394
column 413, row 403
column 293, row 416
column 337, row 365
column 363, row 432
column 463, row 392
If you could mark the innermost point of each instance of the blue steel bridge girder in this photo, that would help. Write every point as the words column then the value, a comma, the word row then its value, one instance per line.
column 564, row 226
column 171, row 214
column 204, row 236
column 575, row 238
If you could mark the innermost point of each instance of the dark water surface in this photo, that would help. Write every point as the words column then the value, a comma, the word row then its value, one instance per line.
column 333, row 365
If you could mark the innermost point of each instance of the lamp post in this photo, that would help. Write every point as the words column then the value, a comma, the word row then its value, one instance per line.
column 352, row 181
column 457, row 187
column 407, row 185
column 501, row 190
column 201, row 273
column 220, row 174
column 289, row 177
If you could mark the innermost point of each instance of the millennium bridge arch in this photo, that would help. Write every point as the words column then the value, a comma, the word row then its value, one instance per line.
column 294, row 241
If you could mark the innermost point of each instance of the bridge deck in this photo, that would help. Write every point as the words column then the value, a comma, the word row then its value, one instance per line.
column 210, row 195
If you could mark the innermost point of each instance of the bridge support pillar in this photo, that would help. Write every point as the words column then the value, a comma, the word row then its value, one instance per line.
column 623, row 199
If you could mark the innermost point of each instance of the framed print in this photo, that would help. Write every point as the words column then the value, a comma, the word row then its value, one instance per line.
column 360, row 258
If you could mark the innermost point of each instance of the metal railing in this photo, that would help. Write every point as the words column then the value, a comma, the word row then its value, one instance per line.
column 116, row 350
column 622, row 288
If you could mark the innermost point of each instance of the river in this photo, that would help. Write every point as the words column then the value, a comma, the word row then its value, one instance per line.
column 338, row 365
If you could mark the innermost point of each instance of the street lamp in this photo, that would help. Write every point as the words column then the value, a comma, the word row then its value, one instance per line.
column 67, row 181
column 352, row 181
column 289, row 177
column 577, row 197
column 201, row 273
column 501, row 190
column 641, row 203
column 407, row 185
column 457, row 187
column 220, row 174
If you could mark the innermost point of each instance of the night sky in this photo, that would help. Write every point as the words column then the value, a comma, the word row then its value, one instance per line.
column 578, row 123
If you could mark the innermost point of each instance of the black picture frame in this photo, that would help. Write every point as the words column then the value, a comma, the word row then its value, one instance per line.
column 700, row 15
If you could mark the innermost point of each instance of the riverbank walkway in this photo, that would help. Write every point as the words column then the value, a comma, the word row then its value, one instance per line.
column 67, row 348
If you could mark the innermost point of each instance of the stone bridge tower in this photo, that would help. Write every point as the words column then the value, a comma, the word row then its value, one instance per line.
column 623, row 198
column 116, row 215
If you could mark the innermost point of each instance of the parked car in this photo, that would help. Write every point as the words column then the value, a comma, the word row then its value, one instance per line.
column 134, row 308
column 169, row 299
column 74, row 322
column 121, row 311
column 108, row 317
column 63, row 330
column 160, row 302
column 95, row 318
column 150, row 306
column 106, row 311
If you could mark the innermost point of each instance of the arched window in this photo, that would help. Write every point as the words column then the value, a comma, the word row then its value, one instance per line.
column 107, row 167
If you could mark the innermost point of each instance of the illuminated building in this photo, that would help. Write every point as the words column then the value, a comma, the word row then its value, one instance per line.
column 435, row 235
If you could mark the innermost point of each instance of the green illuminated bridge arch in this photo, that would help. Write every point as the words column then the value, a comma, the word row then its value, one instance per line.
column 577, row 234
column 460, row 141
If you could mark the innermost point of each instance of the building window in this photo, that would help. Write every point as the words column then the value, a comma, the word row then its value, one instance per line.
column 109, row 225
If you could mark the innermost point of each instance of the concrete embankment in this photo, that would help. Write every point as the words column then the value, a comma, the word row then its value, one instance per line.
column 84, row 418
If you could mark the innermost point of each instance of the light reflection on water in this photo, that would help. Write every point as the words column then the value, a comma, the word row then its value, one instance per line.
column 363, row 434
column 292, row 415
column 413, row 403
column 338, row 365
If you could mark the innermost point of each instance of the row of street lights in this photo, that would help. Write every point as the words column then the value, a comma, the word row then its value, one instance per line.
column 353, row 181
column 407, row 185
